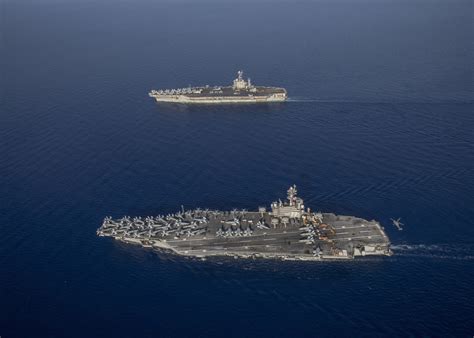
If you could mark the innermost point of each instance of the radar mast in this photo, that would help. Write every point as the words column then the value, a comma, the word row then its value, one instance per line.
column 291, row 193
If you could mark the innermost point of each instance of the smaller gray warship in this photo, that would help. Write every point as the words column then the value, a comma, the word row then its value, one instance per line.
column 241, row 91
column 287, row 231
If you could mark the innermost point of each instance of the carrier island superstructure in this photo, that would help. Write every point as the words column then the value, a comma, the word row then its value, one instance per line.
column 286, row 231
column 241, row 91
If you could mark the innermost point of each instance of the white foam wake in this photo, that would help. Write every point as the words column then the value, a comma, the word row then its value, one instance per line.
column 436, row 251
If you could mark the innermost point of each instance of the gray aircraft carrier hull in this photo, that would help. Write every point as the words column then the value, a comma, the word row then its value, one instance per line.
column 240, row 92
column 303, row 235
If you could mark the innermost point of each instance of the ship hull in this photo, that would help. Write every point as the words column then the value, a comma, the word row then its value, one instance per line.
column 288, row 231
column 217, row 100
column 203, row 234
column 221, row 95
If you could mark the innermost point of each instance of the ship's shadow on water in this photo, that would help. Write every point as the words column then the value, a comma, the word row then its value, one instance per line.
column 229, row 108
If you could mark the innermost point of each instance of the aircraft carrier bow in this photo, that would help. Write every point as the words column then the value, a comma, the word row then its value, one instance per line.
column 241, row 91
column 286, row 231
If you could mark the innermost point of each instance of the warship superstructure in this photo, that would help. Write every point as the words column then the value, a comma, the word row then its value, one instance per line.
column 286, row 231
column 241, row 91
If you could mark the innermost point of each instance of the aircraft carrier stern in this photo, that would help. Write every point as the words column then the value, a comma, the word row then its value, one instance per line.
column 241, row 91
column 286, row 231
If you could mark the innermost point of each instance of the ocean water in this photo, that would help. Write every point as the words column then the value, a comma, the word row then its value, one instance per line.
column 379, row 124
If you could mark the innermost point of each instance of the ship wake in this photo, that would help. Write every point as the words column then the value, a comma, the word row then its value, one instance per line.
column 436, row 251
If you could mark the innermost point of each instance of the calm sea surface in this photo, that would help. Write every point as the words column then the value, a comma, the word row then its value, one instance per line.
column 380, row 124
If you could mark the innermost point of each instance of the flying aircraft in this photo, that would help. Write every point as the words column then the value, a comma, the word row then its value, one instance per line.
column 397, row 223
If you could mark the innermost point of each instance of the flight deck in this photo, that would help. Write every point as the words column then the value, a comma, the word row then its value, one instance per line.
column 286, row 231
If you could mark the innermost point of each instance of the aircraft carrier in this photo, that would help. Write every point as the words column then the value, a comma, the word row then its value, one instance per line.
column 286, row 231
column 241, row 91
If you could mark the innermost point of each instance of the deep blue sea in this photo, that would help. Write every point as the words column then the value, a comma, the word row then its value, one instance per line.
column 380, row 124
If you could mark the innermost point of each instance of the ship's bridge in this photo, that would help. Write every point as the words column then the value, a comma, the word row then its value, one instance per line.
column 239, row 83
column 294, row 208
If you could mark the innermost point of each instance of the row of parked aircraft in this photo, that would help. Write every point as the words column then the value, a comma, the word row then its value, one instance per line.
column 179, row 91
column 237, row 233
